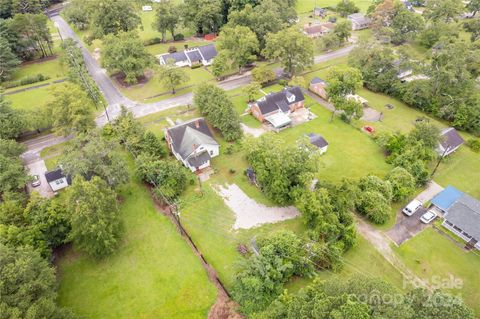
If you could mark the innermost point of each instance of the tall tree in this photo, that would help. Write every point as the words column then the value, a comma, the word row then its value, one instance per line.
column 8, row 60
column 113, row 17
column 263, row 74
column 343, row 30
column 70, row 110
column 172, row 76
column 32, row 32
column 292, row 48
column 13, row 176
column 214, row 103
column 445, row 10
column 94, row 216
column 11, row 121
column 341, row 82
column 28, row 6
column 473, row 6
column 27, row 285
column 346, row 7
column 239, row 43
column 167, row 17
column 125, row 53
column 204, row 15
column 91, row 154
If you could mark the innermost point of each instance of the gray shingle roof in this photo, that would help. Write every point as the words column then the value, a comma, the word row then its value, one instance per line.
column 194, row 56
column 359, row 18
column 57, row 174
column 208, row 51
column 317, row 140
column 177, row 56
column 316, row 80
column 465, row 214
column 275, row 101
column 451, row 138
column 199, row 159
column 186, row 137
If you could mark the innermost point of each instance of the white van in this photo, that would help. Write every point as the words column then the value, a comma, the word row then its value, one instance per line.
column 412, row 207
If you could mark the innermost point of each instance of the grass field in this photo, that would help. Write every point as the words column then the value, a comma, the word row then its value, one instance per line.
column 30, row 100
column 153, row 274
column 304, row 6
column 431, row 256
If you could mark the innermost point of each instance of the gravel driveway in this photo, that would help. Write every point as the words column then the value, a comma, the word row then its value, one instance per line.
column 248, row 212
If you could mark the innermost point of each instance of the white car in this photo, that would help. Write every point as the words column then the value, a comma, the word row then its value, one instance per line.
column 36, row 181
column 428, row 217
column 412, row 207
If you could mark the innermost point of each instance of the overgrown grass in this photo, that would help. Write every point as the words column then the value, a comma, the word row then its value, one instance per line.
column 153, row 274
column 434, row 257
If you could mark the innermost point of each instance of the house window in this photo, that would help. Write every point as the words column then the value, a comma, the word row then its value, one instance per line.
column 59, row 182
column 211, row 152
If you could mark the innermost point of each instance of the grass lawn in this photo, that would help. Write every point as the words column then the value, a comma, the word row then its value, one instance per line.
column 429, row 254
column 52, row 68
column 304, row 6
column 30, row 100
column 148, row 32
column 153, row 274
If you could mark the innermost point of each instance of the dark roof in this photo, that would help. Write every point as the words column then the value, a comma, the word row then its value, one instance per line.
column 465, row 214
column 187, row 136
column 208, row 51
column 317, row 140
column 57, row 174
column 451, row 138
column 316, row 80
column 446, row 198
column 177, row 56
column 199, row 159
column 194, row 55
column 279, row 100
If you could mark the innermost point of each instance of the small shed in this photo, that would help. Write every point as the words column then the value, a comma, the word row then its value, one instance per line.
column 450, row 142
column 318, row 141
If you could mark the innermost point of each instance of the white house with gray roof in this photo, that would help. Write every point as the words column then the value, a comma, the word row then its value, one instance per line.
column 192, row 143
column 359, row 21
column 198, row 55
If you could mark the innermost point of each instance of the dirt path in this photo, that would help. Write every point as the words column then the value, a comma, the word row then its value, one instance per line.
column 382, row 245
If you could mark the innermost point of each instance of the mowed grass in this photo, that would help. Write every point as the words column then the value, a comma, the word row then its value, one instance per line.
column 434, row 257
column 30, row 100
column 304, row 6
column 153, row 274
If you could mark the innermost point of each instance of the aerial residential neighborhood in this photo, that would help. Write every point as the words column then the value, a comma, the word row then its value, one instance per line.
column 230, row 159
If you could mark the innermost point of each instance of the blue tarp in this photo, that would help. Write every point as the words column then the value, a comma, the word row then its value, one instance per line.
column 446, row 198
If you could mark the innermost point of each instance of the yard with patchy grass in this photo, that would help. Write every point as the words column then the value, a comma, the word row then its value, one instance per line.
column 153, row 274
column 304, row 6
column 434, row 257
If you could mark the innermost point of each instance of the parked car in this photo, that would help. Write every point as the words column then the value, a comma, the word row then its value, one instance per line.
column 428, row 217
column 412, row 207
column 36, row 181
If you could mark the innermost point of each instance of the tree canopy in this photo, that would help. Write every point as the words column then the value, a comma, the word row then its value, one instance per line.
column 113, row 17
column 172, row 76
column 239, row 43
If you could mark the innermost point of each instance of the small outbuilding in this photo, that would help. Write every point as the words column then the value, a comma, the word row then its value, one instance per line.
column 318, row 86
column 57, row 179
column 450, row 142
column 359, row 21
column 318, row 141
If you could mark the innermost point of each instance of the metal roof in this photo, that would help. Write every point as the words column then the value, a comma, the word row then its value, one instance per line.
column 278, row 119
column 446, row 198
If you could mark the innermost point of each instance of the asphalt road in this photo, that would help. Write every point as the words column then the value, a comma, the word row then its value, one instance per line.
column 115, row 99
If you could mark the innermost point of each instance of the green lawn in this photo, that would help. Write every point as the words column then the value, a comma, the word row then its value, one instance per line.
column 153, row 274
column 432, row 256
column 304, row 6
column 52, row 68
column 30, row 100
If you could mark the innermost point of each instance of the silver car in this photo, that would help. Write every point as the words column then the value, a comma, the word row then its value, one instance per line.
column 428, row 217
column 36, row 181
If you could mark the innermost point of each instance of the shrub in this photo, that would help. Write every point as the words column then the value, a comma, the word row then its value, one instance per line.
column 27, row 80
column 474, row 144
column 178, row 37
column 152, row 41
column 172, row 49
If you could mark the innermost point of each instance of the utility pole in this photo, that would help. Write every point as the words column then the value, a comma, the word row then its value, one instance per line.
column 440, row 161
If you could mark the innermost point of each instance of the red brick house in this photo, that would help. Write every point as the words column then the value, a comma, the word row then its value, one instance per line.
column 275, row 108
column 318, row 86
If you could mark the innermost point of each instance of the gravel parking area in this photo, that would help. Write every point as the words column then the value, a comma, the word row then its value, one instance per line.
column 248, row 212
column 407, row 226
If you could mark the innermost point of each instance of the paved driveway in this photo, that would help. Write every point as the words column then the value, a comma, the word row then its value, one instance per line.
column 407, row 226
column 39, row 168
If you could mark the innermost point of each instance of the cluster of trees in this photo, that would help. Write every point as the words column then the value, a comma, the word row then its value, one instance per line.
column 341, row 33
column 448, row 91
column 214, row 103
column 364, row 298
column 393, row 22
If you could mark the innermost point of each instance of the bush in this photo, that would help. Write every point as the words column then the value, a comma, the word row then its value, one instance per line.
column 152, row 41
column 172, row 49
column 283, row 82
column 474, row 144
column 178, row 37
column 27, row 80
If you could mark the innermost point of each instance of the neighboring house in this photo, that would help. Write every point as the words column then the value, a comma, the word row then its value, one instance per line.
column 319, row 142
column 194, row 56
column 318, row 86
column 461, row 214
column 317, row 30
column 450, row 142
column 57, row 180
column 192, row 143
column 359, row 21
column 358, row 99
column 275, row 108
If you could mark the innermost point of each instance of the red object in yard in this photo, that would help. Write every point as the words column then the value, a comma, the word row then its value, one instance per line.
column 369, row 129
column 210, row 36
